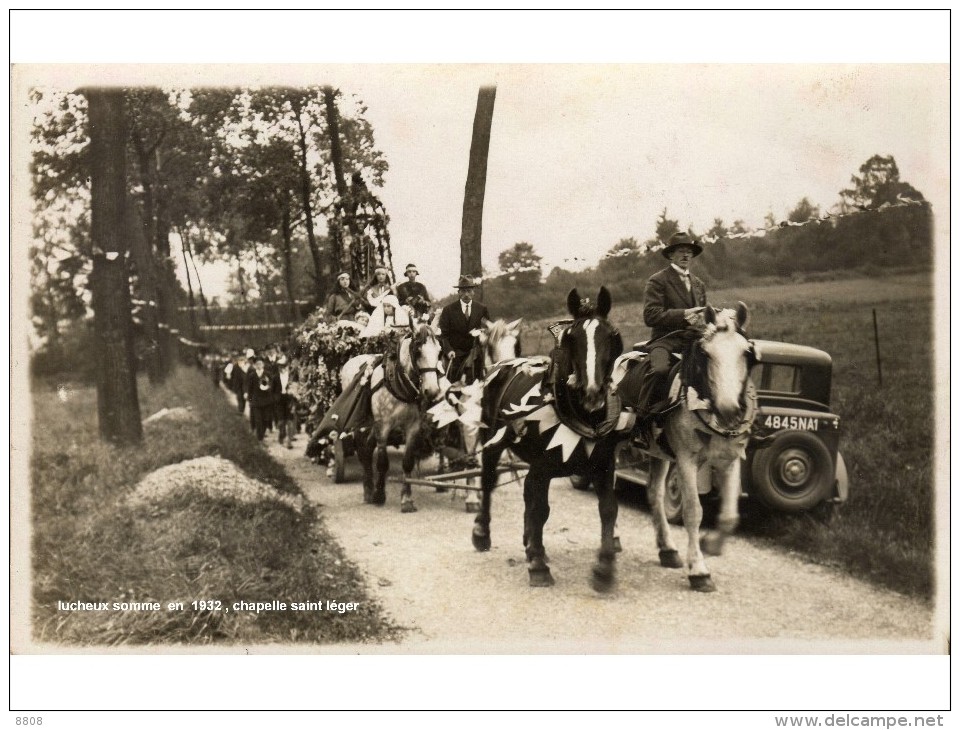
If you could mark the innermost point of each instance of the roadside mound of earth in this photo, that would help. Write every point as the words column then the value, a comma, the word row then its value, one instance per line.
column 211, row 476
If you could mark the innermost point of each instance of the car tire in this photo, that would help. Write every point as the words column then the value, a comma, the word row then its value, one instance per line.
column 794, row 473
column 672, row 497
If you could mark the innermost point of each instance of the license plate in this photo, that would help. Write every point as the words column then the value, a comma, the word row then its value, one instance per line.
column 794, row 423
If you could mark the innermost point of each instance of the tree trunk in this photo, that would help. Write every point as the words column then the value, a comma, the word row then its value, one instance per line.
column 191, row 302
column 147, row 288
column 305, row 190
column 287, row 261
column 470, row 234
column 148, row 262
column 349, row 231
column 118, row 406
column 196, row 273
column 145, row 263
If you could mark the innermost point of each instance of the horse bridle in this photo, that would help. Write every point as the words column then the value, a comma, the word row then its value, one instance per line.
column 696, row 353
column 616, row 349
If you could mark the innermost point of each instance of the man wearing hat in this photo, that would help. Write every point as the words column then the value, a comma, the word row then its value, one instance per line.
column 673, row 304
column 343, row 301
column 411, row 289
column 457, row 320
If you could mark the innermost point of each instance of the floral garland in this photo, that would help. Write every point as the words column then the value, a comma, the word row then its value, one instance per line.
column 318, row 351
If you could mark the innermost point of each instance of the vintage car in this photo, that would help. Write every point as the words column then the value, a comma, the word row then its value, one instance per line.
column 793, row 460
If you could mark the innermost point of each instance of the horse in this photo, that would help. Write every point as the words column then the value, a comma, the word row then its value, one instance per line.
column 709, row 425
column 495, row 343
column 401, row 387
column 561, row 418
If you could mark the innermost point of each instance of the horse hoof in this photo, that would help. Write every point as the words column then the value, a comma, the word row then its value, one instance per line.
column 472, row 507
column 540, row 578
column 481, row 542
column 670, row 559
column 617, row 547
column 408, row 507
column 602, row 578
column 712, row 544
column 378, row 498
column 702, row 583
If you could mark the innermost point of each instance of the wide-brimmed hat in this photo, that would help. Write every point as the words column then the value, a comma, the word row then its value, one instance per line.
column 466, row 282
column 411, row 267
column 681, row 239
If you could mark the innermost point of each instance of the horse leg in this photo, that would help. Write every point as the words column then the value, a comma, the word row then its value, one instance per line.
column 489, row 459
column 409, row 462
column 380, row 480
column 471, row 438
column 604, row 570
column 535, row 515
column 656, row 487
column 729, row 517
column 365, row 449
column 698, row 575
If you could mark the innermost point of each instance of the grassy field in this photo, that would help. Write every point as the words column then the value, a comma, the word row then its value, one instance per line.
column 90, row 544
column 885, row 532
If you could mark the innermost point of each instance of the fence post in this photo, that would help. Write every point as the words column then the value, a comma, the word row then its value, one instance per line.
column 876, row 342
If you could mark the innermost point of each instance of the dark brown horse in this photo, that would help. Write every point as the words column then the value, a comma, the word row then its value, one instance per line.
column 562, row 420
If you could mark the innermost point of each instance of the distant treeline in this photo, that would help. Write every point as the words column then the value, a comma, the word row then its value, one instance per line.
column 866, row 242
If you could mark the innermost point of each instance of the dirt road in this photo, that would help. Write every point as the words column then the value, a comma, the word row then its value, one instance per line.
column 424, row 570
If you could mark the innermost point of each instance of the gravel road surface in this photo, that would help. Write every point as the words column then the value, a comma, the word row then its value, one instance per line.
column 424, row 570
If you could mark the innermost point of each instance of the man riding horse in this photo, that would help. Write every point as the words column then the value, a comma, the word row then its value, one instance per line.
column 673, row 304
column 458, row 320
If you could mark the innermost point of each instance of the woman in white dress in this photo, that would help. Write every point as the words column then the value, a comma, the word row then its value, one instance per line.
column 386, row 317
column 379, row 287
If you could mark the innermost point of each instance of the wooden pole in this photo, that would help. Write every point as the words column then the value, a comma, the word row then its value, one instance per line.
column 876, row 342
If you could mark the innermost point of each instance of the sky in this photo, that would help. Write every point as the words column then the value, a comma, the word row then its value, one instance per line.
column 584, row 154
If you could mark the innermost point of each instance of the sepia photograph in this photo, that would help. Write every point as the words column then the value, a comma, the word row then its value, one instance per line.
column 641, row 356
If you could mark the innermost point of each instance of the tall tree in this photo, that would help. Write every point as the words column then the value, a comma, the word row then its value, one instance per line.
column 117, row 401
column 878, row 183
column 472, row 224
column 666, row 227
column 520, row 257
column 803, row 211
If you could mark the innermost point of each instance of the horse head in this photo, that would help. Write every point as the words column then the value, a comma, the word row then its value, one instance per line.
column 729, row 355
column 500, row 341
column 425, row 358
column 591, row 345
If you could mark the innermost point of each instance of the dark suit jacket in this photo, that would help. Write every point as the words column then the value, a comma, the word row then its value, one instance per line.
column 455, row 329
column 665, row 299
column 256, row 395
column 409, row 289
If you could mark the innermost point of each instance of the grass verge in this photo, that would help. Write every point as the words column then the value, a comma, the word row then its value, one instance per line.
column 90, row 544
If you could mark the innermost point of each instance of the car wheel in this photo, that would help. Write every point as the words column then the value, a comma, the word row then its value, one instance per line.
column 794, row 473
column 339, row 461
column 672, row 498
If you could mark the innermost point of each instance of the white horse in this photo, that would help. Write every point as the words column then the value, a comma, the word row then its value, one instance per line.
column 497, row 343
column 710, row 426
column 400, row 389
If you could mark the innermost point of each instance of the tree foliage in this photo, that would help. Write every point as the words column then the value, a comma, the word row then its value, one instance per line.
column 877, row 184
column 521, row 257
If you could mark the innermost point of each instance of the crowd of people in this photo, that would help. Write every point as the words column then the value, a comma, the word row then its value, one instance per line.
column 266, row 388
column 264, row 385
